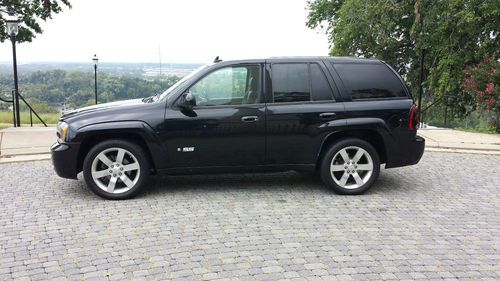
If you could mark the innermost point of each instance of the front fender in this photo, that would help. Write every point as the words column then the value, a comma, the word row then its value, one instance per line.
column 124, row 128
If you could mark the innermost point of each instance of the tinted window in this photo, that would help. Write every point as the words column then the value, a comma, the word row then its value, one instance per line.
column 228, row 86
column 370, row 81
column 291, row 82
column 320, row 87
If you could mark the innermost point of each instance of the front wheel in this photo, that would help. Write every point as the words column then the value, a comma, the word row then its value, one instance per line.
column 115, row 169
column 350, row 166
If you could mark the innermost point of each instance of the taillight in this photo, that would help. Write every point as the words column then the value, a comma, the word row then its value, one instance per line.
column 414, row 119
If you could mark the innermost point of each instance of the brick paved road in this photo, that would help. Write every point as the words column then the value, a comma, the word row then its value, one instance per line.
column 437, row 220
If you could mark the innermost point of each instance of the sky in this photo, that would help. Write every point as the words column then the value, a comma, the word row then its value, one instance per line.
column 193, row 31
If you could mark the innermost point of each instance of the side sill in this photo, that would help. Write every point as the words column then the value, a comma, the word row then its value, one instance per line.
column 236, row 169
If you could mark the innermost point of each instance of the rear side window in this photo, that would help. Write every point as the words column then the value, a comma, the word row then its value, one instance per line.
column 291, row 82
column 370, row 81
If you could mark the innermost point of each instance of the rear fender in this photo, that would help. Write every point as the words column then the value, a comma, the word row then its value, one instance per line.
column 374, row 130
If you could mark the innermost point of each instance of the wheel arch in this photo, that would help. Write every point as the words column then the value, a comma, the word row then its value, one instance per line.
column 136, row 133
column 373, row 137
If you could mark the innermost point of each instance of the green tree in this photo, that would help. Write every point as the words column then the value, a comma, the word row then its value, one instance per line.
column 455, row 34
column 30, row 13
column 483, row 81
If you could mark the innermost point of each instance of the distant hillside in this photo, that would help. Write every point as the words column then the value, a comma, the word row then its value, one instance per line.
column 51, row 90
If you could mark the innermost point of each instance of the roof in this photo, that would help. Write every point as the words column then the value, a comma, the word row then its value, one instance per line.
column 305, row 58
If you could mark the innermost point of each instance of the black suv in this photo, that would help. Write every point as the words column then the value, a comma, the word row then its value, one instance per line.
column 341, row 117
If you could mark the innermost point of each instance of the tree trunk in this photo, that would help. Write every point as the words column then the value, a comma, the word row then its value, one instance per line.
column 498, row 121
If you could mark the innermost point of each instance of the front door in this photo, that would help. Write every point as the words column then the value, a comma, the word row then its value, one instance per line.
column 227, row 125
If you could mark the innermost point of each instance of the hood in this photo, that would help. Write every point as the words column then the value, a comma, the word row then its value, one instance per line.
column 100, row 107
column 150, row 113
column 129, row 110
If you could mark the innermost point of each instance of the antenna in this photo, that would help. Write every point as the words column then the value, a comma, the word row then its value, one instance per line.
column 216, row 60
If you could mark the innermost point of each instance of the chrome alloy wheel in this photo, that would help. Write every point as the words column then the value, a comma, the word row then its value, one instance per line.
column 115, row 170
column 351, row 167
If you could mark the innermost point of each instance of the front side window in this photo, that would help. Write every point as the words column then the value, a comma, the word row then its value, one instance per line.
column 291, row 82
column 228, row 86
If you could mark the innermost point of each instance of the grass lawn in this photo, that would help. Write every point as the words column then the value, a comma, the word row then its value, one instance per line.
column 6, row 118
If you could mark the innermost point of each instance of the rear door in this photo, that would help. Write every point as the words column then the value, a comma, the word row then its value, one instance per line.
column 303, row 108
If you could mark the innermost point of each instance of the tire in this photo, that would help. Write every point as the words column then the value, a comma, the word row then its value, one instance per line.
column 114, row 179
column 350, row 166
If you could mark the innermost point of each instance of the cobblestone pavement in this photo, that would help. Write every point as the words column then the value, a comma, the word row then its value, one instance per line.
column 437, row 220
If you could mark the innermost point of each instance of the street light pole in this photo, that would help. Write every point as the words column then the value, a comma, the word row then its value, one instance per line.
column 95, row 60
column 16, row 83
column 12, row 28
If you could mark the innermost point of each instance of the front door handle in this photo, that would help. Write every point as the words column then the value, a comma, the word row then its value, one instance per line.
column 327, row 115
column 249, row 118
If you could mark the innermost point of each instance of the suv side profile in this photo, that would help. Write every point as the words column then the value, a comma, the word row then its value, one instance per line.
column 339, row 117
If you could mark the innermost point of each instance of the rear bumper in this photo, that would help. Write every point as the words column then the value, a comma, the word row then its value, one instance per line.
column 64, row 159
column 408, row 153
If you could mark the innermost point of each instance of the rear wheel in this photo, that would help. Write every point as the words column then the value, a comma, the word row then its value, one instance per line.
column 350, row 166
column 115, row 169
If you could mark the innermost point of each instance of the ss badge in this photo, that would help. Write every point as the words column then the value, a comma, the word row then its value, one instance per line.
column 186, row 149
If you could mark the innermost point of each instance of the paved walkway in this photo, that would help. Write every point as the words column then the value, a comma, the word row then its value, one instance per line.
column 26, row 144
column 459, row 141
column 438, row 220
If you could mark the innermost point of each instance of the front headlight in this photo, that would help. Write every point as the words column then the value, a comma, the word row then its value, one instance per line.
column 62, row 130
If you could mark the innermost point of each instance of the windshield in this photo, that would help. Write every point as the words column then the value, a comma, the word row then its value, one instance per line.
column 181, row 82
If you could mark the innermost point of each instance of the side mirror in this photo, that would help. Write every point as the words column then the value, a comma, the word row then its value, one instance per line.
column 187, row 101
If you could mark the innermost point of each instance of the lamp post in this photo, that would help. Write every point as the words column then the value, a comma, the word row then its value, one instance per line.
column 95, row 60
column 12, row 28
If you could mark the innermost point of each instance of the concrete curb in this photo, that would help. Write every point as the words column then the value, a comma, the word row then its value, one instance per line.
column 47, row 156
column 485, row 149
column 464, row 151
column 24, row 158
column 32, row 144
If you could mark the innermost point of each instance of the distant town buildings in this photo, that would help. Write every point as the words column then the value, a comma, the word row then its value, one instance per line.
column 156, row 71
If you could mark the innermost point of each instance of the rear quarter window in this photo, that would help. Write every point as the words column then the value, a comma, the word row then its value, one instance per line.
column 321, row 89
column 370, row 81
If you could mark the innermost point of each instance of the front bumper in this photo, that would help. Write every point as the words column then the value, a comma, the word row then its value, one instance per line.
column 65, row 159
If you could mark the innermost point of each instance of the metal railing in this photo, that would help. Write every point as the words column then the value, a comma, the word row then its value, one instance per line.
column 13, row 107
column 446, row 104
column 436, row 102
column 31, row 110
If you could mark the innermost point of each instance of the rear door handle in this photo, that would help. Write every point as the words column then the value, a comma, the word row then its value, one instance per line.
column 249, row 119
column 327, row 115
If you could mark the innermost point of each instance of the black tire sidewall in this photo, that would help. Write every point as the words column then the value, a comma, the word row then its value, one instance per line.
column 327, row 159
column 136, row 150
